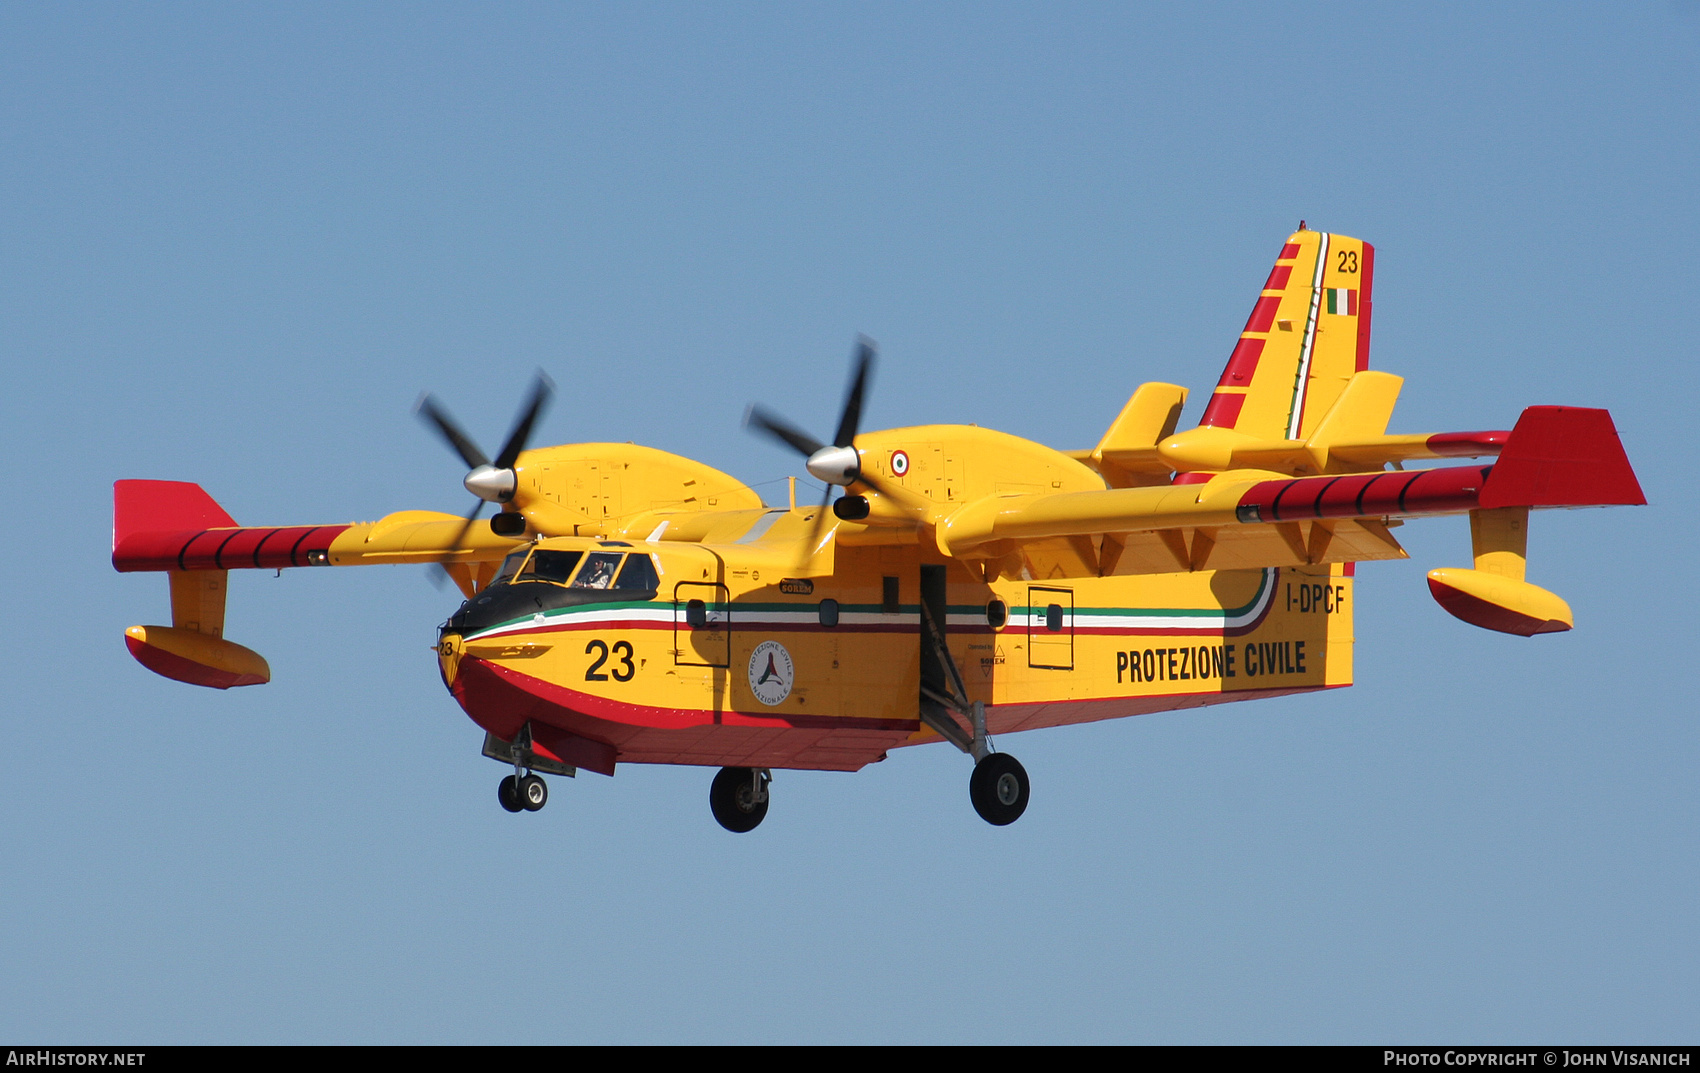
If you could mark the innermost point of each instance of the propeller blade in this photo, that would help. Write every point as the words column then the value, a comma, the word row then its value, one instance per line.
column 864, row 477
column 486, row 480
column 439, row 572
column 835, row 467
column 541, row 389
column 780, row 429
column 458, row 440
column 852, row 417
column 815, row 529
column 460, row 536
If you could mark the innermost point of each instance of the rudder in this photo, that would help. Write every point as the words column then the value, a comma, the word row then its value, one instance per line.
column 1306, row 336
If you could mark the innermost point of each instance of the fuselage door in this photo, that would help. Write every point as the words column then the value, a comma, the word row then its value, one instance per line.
column 1050, row 628
column 702, row 625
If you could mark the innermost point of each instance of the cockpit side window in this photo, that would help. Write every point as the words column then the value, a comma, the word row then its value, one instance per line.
column 598, row 571
column 510, row 566
column 638, row 574
column 554, row 566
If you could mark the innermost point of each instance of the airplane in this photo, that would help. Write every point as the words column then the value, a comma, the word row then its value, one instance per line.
column 626, row 605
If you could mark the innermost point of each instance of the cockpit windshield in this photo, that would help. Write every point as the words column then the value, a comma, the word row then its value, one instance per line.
column 596, row 570
column 546, row 565
column 510, row 566
column 638, row 574
column 542, row 565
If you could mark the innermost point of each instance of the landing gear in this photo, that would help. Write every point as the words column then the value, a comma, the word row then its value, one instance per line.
column 522, row 793
column 524, row 790
column 998, row 788
column 739, row 796
column 534, row 793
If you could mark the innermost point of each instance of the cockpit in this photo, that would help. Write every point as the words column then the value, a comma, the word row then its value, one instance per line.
column 579, row 570
column 537, row 578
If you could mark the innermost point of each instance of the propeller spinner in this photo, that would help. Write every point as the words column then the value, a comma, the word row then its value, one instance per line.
column 490, row 481
column 836, row 463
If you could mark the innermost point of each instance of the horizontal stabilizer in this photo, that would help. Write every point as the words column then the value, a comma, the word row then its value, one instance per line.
column 1127, row 455
column 1351, row 438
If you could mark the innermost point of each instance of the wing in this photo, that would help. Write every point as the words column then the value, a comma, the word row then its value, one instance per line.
column 1555, row 457
column 176, row 528
column 175, row 525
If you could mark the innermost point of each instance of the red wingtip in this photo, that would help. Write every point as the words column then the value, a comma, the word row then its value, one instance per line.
column 158, row 506
column 1563, row 456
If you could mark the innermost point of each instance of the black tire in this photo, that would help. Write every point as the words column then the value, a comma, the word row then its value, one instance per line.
column 508, row 794
column 533, row 793
column 999, row 789
column 731, row 796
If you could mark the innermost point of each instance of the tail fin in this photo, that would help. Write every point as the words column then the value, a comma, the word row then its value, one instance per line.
column 1306, row 336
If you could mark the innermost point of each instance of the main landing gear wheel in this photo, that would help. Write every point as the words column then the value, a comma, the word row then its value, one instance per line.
column 526, row 794
column 998, row 789
column 738, row 797
column 533, row 793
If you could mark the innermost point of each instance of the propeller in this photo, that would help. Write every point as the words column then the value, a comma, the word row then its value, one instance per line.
column 491, row 482
column 836, row 463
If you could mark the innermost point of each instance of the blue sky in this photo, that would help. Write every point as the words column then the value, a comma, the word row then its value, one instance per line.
column 239, row 240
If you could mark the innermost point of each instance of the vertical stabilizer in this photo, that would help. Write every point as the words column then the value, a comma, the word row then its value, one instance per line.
column 1306, row 336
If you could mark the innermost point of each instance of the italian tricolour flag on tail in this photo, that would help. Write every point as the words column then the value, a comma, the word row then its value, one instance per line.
column 1342, row 300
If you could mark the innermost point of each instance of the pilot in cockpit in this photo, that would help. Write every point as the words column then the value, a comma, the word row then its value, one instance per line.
column 601, row 574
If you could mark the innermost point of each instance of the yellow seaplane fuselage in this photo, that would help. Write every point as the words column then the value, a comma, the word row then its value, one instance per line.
column 656, row 649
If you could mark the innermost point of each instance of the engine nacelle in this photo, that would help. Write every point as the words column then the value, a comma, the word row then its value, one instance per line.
column 1497, row 602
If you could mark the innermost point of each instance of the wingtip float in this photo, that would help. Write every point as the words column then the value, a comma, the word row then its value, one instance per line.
column 627, row 605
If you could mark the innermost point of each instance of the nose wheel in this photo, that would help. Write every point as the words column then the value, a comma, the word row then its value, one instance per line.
column 526, row 793
column 524, row 790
